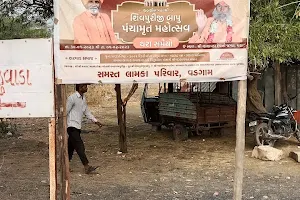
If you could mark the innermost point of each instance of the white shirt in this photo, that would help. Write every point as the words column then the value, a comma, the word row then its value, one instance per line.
column 76, row 108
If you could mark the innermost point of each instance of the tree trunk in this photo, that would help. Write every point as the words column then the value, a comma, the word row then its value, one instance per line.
column 277, row 78
column 283, row 84
column 121, row 112
column 254, row 100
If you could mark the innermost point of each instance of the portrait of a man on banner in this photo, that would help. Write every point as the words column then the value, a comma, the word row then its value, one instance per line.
column 222, row 27
column 92, row 26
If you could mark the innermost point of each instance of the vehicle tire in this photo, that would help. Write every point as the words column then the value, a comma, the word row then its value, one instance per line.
column 158, row 128
column 260, row 131
column 217, row 132
column 220, row 132
column 180, row 133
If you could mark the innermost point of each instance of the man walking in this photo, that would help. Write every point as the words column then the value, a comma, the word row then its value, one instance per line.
column 76, row 108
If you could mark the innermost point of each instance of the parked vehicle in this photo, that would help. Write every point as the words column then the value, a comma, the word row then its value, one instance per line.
column 278, row 125
column 189, row 111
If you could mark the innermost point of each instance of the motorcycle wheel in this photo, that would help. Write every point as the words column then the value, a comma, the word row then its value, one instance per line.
column 261, row 130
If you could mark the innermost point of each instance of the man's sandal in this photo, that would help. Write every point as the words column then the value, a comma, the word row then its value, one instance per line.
column 90, row 169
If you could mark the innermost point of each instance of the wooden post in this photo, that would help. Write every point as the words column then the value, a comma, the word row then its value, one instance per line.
column 65, row 144
column 52, row 159
column 53, row 143
column 59, row 139
column 170, row 87
column 63, row 140
column 121, row 120
column 240, row 140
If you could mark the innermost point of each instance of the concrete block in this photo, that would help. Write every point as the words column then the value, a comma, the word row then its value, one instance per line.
column 295, row 155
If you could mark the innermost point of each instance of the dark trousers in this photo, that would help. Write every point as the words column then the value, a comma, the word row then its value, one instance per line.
column 75, row 143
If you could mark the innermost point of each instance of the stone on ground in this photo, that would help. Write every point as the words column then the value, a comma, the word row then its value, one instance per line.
column 267, row 153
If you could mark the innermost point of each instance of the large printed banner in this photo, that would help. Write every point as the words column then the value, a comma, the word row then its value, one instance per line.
column 151, row 41
column 26, row 78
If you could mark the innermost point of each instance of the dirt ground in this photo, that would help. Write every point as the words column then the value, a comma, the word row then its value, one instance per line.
column 156, row 167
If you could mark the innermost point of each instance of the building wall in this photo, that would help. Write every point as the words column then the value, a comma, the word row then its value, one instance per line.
column 267, row 87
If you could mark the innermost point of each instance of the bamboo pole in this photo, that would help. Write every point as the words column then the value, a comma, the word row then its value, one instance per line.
column 240, row 140
column 52, row 159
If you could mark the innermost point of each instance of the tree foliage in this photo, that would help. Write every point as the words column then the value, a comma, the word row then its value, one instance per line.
column 37, row 11
column 274, row 32
column 24, row 18
column 17, row 28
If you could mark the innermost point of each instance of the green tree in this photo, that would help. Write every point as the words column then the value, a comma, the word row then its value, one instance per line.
column 274, row 39
column 17, row 28
column 37, row 11
column 24, row 18
column 274, row 34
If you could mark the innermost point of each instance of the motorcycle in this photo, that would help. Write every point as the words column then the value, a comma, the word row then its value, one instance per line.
column 278, row 125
